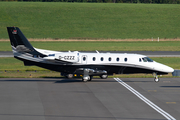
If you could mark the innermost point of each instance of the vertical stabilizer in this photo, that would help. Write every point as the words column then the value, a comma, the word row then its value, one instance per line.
column 20, row 43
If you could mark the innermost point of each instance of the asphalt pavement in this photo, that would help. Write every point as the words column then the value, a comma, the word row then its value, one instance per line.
column 100, row 99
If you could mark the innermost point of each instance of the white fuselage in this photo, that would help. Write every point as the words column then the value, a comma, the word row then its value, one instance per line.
column 112, row 59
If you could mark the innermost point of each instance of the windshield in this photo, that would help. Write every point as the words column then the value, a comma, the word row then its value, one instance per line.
column 146, row 59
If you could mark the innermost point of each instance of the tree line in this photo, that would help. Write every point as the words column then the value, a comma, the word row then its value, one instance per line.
column 108, row 1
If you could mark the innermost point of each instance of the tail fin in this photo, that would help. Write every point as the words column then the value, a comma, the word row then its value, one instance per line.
column 20, row 43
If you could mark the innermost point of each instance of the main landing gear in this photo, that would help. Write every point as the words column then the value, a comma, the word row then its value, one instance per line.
column 69, row 76
column 88, row 78
column 104, row 76
column 87, row 74
column 156, row 79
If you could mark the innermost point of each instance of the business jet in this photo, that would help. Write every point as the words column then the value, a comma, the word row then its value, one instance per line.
column 87, row 65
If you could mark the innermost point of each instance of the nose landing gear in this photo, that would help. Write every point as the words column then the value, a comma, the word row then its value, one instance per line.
column 156, row 79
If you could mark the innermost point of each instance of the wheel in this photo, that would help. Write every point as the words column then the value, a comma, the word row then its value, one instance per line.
column 104, row 76
column 84, row 80
column 90, row 78
column 69, row 76
column 156, row 79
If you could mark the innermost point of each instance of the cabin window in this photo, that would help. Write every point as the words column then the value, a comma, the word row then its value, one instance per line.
column 109, row 59
column 102, row 58
column 125, row 59
column 84, row 58
column 94, row 58
column 117, row 59
column 51, row 55
column 139, row 59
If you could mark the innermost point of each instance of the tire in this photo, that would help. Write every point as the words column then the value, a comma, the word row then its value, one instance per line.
column 156, row 80
column 84, row 80
column 69, row 76
column 90, row 78
column 104, row 76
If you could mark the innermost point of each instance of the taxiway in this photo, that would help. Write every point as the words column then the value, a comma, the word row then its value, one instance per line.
column 100, row 99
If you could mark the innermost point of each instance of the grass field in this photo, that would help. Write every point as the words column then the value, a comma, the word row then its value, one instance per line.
column 102, row 46
column 91, row 20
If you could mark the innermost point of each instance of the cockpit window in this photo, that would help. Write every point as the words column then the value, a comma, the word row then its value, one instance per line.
column 146, row 59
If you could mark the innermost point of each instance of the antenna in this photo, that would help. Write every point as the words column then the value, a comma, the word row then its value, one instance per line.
column 97, row 51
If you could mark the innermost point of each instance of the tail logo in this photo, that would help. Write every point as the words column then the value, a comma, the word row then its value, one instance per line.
column 14, row 32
